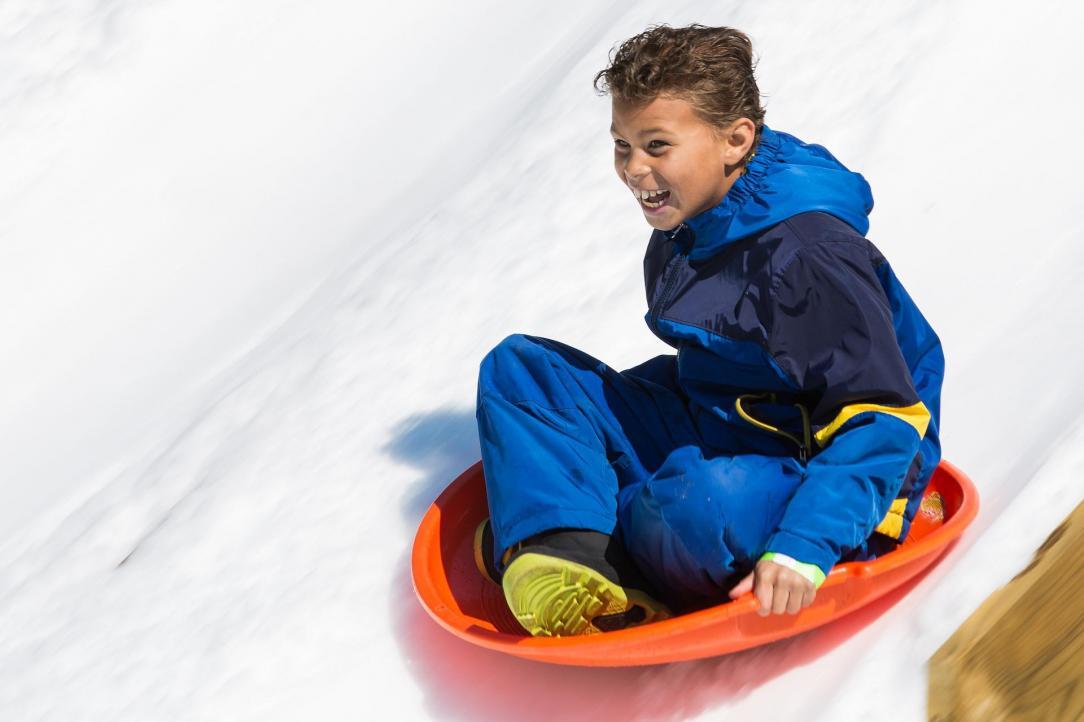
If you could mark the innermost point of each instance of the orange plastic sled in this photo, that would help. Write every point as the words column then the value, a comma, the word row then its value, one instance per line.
column 473, row 608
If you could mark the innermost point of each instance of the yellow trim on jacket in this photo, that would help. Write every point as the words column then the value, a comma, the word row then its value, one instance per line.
column 917, row 415
column 892, row 524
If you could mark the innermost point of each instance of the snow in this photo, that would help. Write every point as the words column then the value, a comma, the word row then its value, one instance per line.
column 254, row 253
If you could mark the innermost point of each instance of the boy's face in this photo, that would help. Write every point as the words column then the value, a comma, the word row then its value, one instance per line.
column 664, row 145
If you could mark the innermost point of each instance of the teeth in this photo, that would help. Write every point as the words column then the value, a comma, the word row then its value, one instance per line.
column 645, row 195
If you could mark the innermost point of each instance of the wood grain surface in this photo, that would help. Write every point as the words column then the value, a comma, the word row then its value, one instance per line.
column 1020, row 656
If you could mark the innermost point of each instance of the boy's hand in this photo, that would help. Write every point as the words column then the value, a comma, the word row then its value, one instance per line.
column 778, row 589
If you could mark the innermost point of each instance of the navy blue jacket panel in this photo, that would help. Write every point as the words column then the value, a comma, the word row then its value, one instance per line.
column 794, row 337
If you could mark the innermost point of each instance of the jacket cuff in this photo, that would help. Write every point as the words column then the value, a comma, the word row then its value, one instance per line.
column 810, row 571
column 797, row 547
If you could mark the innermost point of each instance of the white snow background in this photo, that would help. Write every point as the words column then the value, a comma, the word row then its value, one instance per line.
column 252, row 253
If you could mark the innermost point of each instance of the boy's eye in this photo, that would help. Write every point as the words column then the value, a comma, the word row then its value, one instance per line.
column 653, row 145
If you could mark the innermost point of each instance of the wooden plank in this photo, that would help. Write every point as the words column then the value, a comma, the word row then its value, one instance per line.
column 1020, row 655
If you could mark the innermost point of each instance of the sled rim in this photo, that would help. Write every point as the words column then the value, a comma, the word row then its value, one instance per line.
column 721, row 629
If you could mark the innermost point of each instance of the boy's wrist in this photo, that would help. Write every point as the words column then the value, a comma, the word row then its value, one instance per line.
column 811, row 572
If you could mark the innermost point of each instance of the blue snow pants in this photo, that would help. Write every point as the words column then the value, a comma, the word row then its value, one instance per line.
column 568, row 442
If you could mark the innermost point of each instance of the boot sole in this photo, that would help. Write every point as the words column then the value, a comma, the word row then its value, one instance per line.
column 479, row 561
column 553, row 597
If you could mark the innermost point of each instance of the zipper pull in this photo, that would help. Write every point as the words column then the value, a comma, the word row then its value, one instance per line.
column 806, row 442
column 690, row 238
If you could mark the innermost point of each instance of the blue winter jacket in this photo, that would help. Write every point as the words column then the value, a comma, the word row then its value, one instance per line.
column 794, row 337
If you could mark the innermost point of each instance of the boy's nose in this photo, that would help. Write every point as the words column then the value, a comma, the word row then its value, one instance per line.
column 636, row 177
column 636, row 169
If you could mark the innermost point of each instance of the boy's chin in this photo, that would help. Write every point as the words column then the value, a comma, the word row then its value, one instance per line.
column 664, row 221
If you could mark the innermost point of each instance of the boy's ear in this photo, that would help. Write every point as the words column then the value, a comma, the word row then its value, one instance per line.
column 738, row 140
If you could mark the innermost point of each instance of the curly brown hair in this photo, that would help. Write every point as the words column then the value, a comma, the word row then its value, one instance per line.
column 711, row 68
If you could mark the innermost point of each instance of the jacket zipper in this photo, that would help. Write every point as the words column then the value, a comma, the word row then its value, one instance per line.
column 671, row 279
column 804, row 443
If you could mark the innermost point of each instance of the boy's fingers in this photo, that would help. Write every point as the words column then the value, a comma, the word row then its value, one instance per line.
column 780, row 596
column 796, row 601
column 764, row 596
column 778, row 592
column 743, row 587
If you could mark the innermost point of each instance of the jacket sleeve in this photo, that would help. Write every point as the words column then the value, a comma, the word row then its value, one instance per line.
column 832, row 333
column 922, row 348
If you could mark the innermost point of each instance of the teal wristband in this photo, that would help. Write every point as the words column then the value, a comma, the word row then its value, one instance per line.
column 810, row 571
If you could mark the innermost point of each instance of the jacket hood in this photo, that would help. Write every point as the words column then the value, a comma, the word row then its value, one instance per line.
column 785, row 177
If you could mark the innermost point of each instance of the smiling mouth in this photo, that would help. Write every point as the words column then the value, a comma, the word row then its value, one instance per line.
column 652, row 199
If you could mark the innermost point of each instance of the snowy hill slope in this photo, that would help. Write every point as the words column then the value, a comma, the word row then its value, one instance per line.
column 248, row 558
column 176, row 178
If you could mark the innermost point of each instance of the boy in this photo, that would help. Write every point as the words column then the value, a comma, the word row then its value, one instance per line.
column 797, row 424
